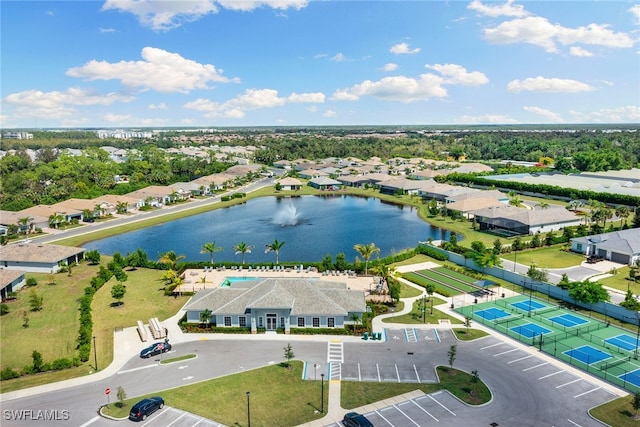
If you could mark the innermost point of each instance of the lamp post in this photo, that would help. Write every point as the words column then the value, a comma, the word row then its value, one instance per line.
column 322, row 394
column 424, row 309
column 248, row 410
column 95, row 352
column 635, row 353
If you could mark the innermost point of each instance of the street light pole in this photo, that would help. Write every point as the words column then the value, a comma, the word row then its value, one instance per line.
column 322, row 394
column 637, row 337
column 248, row 410
column 424, row 309
column 95, row 352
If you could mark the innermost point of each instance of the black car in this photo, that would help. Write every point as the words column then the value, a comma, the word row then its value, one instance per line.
column 154, row 349
column 353, row 419
column 146, row 407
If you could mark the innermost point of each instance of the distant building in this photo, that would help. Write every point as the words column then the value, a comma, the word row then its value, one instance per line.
column 17, row 135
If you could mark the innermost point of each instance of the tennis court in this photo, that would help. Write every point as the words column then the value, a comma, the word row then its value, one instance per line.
column 527, row 305
column 530, row 330
column 624, row 341
column 587, row 354
column 492, row 313
column 632, row 377
column 568, row 320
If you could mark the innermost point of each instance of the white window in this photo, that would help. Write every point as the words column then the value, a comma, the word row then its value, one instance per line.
column 227, row 320
column 242, row 321
column 331, row 322
column 301, row 322
column 316, row 322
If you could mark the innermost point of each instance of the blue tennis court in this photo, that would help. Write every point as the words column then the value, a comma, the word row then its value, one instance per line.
column 528, row 305
column 587, row 354
column 530, row 330
column 623, row 341
column 632, row 377
column 492, row 313
column 568, row 320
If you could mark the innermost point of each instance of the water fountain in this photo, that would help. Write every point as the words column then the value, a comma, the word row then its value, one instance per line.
column 288, row 216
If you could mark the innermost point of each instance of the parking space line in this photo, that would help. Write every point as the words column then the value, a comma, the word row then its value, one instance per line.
column 91, row 421
column 407, row 416
column 378, row 369
column 570, row 382
column 424, row 410
column 417, row 375
column 382, row 416
column 534, row 367
column 575, row 424
column 586, row 392
column 447, row 409
column 359, row 373
column 397, row 373
column 435, row 331
column 138, row 369
column 505, row 352
column 174, row 421
column 492, row 345
column 522, row 358
column 550, row 375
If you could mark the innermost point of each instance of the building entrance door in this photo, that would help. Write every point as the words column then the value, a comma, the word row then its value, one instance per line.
column 272, row 322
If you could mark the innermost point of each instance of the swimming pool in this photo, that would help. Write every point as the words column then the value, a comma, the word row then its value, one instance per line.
column 228, row 281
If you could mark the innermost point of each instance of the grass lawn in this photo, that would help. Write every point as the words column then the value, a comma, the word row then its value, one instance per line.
column 619, row 281
column 424, row 281
column 407, row 291
column 279, row 397
column 468, row 334
column 355, row 394
column 144, row 299
column 415, row 316
column 547, row 257
column 617, row 413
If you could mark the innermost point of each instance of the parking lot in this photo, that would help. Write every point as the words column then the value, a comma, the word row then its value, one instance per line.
column 175, row 418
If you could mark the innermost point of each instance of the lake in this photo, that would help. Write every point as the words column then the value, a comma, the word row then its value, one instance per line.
column 310, row 226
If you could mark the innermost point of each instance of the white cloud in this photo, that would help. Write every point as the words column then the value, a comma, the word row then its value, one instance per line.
column 543, row 84
column 635, row 11
column 486, row 119
column 116, row 118
column 107, row 30
column 339, row 57
column 312, row 108
column 495, row 10
column 163, row 15
column 540, row 32
column 161, row 106
column 625, row 114
column 548, row 115
column 159, row 70
column 251, row 99
column 167, row 15
column 578, row 51
column 456, row 74
column 397, row 88
column 390, row 67
column 402, row 49
column 329, row 113
column 316, row 97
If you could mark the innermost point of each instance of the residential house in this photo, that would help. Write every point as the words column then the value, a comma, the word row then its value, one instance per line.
column 216, row 181
column 281, row 303
column 49, row 211
column 511, row 221
column 325, row 183
column 8, row 218
column 621, row 246
column 115, row 200
column 289, row 184
column 10, row 281
column 38, row 257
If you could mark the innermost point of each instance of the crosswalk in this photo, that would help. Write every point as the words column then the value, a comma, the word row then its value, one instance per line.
column 335, row 358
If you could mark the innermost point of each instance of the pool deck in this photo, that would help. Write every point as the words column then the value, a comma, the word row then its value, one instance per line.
column 197, row 279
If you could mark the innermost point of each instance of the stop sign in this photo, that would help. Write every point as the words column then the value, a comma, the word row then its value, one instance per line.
column 107, row 391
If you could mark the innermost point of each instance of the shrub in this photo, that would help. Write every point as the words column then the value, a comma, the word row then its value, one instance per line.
column 8, row 374
column 84, row 351
column 63, row 363
column 31, row 281
column 4, row 309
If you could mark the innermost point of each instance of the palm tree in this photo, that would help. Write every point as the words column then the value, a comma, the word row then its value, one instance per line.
column 274, row 247
column 515, row 201
column 121, row 207
column 543, row 205
column 430, row 289
column 366, row 251
column 355, row 319
column 210, row 248
column 55, row 220
column 25, row 223
column 243, row 248
column 623, row 213
column 171, row 258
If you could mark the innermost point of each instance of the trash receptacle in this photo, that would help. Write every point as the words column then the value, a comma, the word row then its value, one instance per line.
column 503, row 295
column 475, row 301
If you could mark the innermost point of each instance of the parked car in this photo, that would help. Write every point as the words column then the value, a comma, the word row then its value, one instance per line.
column 154, row 349
column 353, row 419
column 144, row 408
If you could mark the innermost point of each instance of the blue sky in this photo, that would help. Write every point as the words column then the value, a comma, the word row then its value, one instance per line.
column 149, row 63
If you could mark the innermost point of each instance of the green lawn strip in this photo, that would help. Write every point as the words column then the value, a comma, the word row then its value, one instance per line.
column 423, row 281
column 416, row 259
column 415, row 316
column 456, row 284
column 469, row 334
column 620, row 281
column 618, row 412
column 279, row 396
column 459, row 383
column 144, row 299
column 178, row 359
column 448, row 272
column 407, row 291
column 547, row 257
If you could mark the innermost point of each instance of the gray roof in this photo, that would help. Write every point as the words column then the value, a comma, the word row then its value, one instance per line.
column 623, row 241
column 302, row 296
column 531, row 217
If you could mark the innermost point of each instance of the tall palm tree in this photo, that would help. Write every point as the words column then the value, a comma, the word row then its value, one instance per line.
column 210, row 248
column 171, row 258
column 121, row 207
column 366, row 251
column 274, row 247
column 623, row 213
column 55, row 220
column 355, row 319
column 243, row 248
column 25, row 223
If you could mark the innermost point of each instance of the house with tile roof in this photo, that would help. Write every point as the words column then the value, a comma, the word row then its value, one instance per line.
column 621, row 246
column 290, row 183
column 278, row 304
column 325, row 183
column 512, row 221
column 38, row 257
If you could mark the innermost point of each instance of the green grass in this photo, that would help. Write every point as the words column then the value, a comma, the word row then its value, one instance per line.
column 618, row 412
column 547, row 257
column 279, row 396
column 462, row 277
column 452, row 282
column 407, row 291
column 423, row 281
column 619, row 281
column 178, row 359
column 144, row 299
column 468, row 334
column 415, row 316
column 459, row 383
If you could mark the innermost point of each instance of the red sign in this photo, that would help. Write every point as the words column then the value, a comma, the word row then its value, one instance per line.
column 107, row 391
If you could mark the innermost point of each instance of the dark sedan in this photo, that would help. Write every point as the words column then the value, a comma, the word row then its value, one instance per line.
column 146, row 407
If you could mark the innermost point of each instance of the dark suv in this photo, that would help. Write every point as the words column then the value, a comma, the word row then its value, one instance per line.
column 154, row 349
column 353, row 419
column 146, row 407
